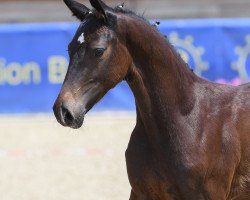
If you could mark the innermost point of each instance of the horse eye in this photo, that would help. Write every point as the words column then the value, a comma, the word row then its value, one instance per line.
column 99, row 52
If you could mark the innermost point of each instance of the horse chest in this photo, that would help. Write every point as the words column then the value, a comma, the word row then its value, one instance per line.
column 144, row 178
column 147, row 176
column 153, row 174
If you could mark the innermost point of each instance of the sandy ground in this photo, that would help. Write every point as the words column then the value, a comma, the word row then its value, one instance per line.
column 40, row 160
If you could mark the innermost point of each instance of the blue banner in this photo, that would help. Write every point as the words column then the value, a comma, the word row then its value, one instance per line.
column 34, row 60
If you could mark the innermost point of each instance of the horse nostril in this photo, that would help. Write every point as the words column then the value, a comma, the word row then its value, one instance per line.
column 67, row 116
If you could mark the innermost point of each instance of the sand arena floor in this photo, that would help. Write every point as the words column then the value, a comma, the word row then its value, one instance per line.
column 40, row 160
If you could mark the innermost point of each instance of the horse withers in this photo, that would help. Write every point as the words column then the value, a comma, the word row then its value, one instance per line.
column 192, row 137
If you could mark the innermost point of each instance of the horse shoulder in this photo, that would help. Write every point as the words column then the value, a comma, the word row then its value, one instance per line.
column 241, row 106
column 233, row 129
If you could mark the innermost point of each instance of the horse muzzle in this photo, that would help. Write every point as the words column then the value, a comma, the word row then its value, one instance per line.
column 67, row 117
column 68, row 111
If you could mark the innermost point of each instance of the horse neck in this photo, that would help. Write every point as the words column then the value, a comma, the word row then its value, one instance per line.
column 159, row 79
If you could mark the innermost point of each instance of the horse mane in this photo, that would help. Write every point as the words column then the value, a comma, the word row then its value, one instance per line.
column 132, row 14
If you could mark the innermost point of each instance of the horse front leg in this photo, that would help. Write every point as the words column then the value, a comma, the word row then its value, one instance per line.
column 133, row 196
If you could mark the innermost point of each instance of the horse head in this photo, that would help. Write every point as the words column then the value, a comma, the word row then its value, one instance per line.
column 98, row 62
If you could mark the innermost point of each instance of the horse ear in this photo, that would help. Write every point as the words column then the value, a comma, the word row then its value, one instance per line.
column 79, row 10
column 100, row 7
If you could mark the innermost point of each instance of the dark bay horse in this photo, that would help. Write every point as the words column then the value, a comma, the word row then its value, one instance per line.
column 192, row 137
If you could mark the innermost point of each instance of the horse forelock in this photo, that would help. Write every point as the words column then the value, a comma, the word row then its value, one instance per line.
column 89, row 24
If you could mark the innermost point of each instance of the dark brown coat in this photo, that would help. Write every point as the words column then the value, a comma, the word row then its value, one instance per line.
column 192, row 137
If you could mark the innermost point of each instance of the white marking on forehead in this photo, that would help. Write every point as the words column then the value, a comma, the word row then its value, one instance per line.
column 81, row 38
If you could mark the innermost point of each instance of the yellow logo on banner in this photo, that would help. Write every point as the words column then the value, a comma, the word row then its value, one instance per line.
column 241, row 65
column 14, row 73
column 57, row 69
column 189, row 51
